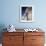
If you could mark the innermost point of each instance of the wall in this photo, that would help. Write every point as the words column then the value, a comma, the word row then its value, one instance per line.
column 10, row 12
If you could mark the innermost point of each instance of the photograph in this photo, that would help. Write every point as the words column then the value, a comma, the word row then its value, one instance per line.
column 26, row 13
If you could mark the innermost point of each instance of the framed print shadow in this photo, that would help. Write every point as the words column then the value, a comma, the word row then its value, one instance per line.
column 26, row 13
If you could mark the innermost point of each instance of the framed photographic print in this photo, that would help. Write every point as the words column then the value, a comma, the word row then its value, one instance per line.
column 26, row 13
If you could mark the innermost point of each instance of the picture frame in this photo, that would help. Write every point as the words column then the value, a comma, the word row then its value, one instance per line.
column 26, row 13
